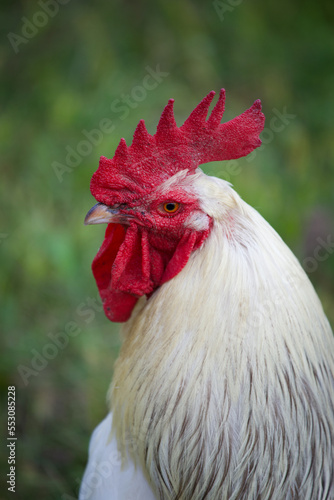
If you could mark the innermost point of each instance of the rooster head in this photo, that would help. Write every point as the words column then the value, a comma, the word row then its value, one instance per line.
column 146, row 196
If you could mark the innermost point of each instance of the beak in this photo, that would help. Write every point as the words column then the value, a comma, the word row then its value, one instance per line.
column 102, row 214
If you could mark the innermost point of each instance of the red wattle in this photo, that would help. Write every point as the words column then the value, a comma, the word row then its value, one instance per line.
column 128, row 266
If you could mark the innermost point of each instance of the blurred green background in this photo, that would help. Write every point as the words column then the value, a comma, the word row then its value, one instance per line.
column 70, row 66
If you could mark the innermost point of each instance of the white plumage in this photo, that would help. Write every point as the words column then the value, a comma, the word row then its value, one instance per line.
column 224, row 388
column 104, row 477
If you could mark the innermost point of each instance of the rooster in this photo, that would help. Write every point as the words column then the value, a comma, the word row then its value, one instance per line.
column 224, row 387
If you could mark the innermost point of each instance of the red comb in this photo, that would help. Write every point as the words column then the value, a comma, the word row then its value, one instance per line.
column 151, row 159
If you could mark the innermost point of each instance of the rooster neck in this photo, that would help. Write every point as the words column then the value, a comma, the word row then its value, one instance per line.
column 201, row 360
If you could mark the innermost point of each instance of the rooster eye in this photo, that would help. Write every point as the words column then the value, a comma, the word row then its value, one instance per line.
column 170, row 207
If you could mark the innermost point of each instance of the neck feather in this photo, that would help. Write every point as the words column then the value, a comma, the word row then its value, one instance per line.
column 232, row 337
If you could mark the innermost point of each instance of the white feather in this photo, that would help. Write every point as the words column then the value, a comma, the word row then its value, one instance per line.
column 225, row 382
column 105, row 478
